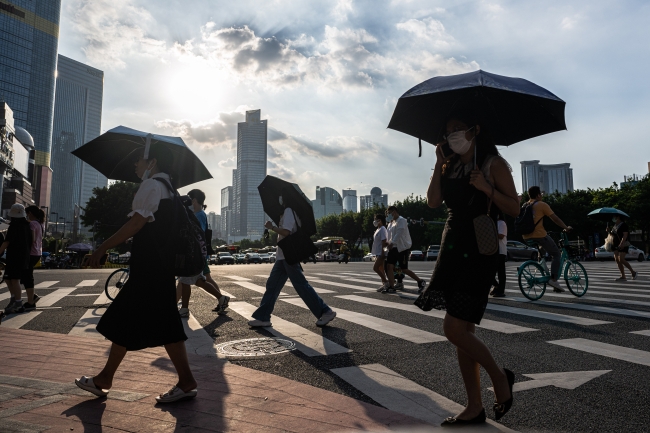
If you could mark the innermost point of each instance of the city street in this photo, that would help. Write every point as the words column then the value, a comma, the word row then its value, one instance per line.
column 581, row 364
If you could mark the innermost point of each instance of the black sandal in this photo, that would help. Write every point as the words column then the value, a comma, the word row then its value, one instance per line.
column 453, row 421
column 500, row 409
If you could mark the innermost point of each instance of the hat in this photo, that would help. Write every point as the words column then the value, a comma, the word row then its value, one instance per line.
column 17, row 211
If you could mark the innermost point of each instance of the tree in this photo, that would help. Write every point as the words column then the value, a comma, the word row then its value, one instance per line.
column 109, row 206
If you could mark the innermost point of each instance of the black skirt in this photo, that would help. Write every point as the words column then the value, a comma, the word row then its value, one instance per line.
column 144, row 313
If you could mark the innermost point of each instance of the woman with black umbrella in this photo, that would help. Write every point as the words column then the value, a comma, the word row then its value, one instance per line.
column 472, row 180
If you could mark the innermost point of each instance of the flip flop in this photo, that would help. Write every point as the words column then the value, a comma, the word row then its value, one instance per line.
column 87, row 384
column 176, row 394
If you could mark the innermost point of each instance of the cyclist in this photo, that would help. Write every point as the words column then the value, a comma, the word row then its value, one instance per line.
column 539, row 235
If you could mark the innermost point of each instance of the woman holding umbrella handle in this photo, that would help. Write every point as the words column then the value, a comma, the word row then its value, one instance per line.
column 473, row 181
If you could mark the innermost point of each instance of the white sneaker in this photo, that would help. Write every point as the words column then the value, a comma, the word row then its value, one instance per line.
column 556, row 286
column 259, row 323
column 184, row 312
column 326, row 318
column 399, row 286
column 383, row 286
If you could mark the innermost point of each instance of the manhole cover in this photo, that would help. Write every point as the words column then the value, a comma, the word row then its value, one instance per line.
column 256, row 347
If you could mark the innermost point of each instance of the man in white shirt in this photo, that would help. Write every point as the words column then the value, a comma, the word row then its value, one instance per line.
column 379, row 242
column 281, row 272
column 399, row 243
column 499, row 289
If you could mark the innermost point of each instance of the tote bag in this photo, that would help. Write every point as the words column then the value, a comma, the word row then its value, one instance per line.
column 297, row 246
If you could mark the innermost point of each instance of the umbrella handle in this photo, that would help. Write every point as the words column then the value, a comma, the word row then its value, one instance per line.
column 420, row 143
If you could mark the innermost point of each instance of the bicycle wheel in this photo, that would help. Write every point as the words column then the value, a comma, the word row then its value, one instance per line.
column 529, row 284
column 576, row 278
column 115, row 282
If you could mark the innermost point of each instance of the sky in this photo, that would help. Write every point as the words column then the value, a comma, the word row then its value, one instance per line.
column 327, row 75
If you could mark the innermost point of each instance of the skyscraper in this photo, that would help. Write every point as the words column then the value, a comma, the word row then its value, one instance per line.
column 77, row 120
column 549, row 177
column 250, row 172
column 350, row 200
column 226, row 212
column 376, row 198
column 29, row 39
column 328, row 202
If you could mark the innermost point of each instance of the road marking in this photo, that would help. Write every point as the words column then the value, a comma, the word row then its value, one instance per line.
column 87, row 283
column 585, row 307
column 316, row 289
column 546, row 315
column 347, row 286
column 45, row 284
column 399, row 394
column 86, row 326
column 492, row 325
column 589, row 298
column 198, row 340
column 254, row 287
column 55, row 296
column 634, row 356
column 102, row 299
column 625, row 289
column 17, row 321
column 646, row 332
column 564, row 380
column 238, row 278
column 388, row 327
column 309, row 343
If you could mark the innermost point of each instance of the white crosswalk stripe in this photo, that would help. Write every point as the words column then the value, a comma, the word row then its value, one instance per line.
column 646, row 332
column 604, row 349
column 384, row 326
column 45, row 284
column 86, row 326
column 87, row 283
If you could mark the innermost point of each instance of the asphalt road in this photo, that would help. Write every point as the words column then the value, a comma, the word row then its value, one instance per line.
column 598, row 334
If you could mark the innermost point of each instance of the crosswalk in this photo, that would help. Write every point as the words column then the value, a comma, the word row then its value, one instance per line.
column 386, row 317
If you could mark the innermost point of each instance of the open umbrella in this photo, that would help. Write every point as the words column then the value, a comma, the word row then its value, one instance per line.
column 80, row 247
column 511, row 109
column 113, row 155
column 606, row 214
column 272, row 188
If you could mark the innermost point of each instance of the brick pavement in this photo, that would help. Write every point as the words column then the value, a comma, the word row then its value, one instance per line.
column 37, row 393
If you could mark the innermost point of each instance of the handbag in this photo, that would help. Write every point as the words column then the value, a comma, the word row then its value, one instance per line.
column 297, row 246
column 609, row 243
column 487, row 236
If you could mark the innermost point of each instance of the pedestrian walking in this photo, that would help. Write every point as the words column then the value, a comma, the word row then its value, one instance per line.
column 282, row 271
column 144, row 313
column 18, row 244
column 472, row 180
column 539, row 234
column 499, row 287
column 379, row 243
column 203, row 280
column 399, row 244
column 36, row 218
column 621, row 243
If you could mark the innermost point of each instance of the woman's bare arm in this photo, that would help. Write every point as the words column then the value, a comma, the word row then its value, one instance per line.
column 128, row 230
column 504, row 193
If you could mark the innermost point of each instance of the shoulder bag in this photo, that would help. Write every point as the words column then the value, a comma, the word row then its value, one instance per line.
column 487, row 236
column 297, row 246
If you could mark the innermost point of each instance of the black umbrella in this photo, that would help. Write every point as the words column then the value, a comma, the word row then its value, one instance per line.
column 511, row 109
column 272, row 188
column 606, row 214
column 113, row 155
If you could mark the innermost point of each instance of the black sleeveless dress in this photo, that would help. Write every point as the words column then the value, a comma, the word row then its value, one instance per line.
column 462, row 274
column 144, row 313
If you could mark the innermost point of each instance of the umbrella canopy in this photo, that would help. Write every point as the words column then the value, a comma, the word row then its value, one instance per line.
column 79, row 247
column 113, row 155
column 511, row 109
column 606, row 213
column 272, row 188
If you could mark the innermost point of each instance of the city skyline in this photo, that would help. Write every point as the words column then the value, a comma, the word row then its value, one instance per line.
column 331, row 85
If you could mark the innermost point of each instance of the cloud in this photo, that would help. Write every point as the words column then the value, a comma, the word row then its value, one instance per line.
column 428, row 30
column 333, row 147
column 228, row 163
column 278, row 170
column 221, row 131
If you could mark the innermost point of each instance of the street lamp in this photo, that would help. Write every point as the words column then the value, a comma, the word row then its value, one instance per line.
column 47, row 211
column 56, row 221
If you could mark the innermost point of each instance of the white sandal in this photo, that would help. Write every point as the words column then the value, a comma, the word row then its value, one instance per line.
column 87, row 384
column 176, row 394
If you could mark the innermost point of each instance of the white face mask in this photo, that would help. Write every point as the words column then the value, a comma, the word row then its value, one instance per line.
column 458, row 143
column 280, row 200
column 389, row 217
column 375, row 223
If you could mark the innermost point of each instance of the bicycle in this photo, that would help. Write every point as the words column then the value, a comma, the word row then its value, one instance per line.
column 115, row 282
column 533, row 275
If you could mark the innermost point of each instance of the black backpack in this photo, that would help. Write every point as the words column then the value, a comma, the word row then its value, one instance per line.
column 524, row 223
column 185, row 250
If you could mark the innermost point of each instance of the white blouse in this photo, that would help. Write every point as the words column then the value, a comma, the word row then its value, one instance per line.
column 148, row 197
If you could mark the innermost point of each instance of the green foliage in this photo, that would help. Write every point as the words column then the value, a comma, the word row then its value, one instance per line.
column 110, row 206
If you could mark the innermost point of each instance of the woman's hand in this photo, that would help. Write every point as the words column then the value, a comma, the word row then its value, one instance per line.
column 269, row 225
column 478, row 181
column 95, row 259
column 440, row 158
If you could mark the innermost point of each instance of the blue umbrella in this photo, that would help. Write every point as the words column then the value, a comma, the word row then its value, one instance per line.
column 606, row 213
column 113, row 155
column 510, row 109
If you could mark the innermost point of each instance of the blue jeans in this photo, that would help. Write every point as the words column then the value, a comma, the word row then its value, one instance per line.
column 279, row 274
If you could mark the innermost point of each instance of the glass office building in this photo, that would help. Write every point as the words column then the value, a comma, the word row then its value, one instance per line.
column 251, row 170
column 549, row 177
column 328, row 202
column 29, row 37
column 376, row 198
column 77, row 120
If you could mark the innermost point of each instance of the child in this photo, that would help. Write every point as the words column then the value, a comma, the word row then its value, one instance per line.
column 18, row 245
